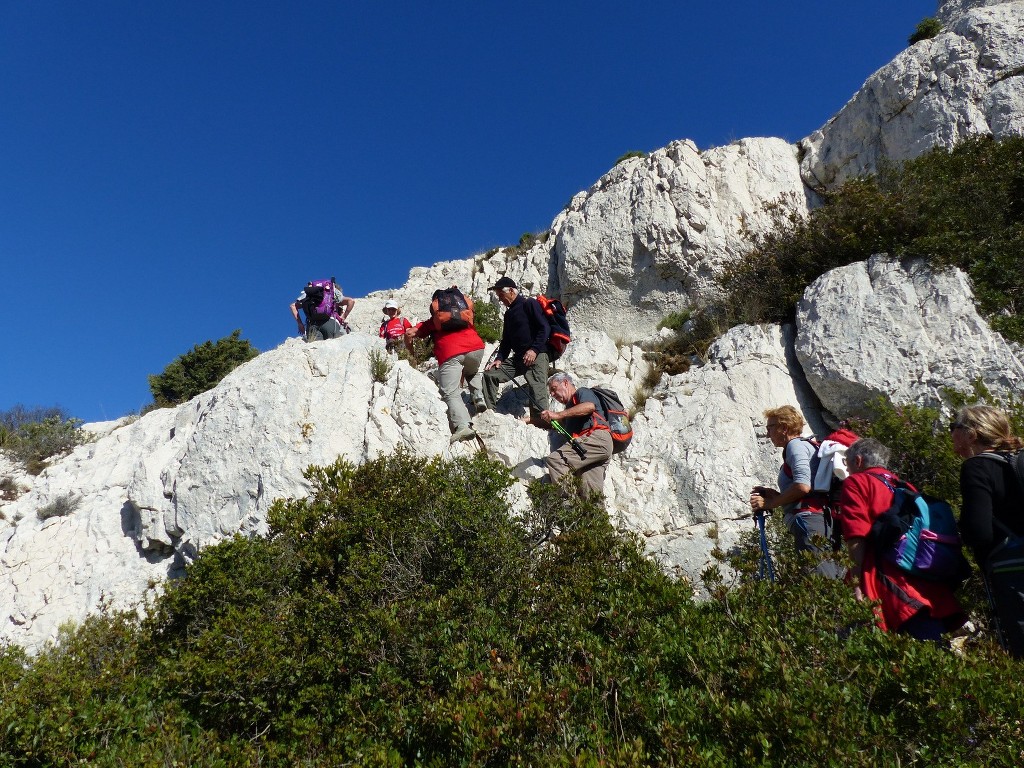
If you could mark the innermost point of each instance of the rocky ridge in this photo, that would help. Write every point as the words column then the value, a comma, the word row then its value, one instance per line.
column 649, row 236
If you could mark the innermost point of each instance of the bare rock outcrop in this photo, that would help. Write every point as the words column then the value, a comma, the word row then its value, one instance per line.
column 966, row 81
column 652, row 234
column 880, row 327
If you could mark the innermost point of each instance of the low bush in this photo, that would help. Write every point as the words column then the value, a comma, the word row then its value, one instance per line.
column 61, row 506
column 9, row 489
column 401, row 616
column 950, row 208
column 33, row 435
column 957, row 208
column 631, row 154
column 200, row 369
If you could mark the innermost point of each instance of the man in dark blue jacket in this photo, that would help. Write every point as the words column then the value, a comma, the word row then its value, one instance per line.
column 523, row 349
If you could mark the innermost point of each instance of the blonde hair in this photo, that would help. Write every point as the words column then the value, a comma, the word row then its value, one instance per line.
column 990, row 426
column 789, row 419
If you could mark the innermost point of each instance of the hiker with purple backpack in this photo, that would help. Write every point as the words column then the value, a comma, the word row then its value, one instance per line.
column 326, row 310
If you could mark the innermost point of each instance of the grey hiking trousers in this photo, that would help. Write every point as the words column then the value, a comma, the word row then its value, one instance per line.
column 449, row 381
column 536, row 379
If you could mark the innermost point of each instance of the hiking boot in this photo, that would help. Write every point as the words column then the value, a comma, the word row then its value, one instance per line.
column 480, row 406
column 466, row 433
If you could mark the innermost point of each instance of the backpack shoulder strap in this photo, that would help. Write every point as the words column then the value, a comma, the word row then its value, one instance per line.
column 1015, row 460
column 891, row 482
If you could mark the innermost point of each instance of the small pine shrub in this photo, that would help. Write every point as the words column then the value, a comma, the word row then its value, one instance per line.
column 380, row 366
column 926, row 29
column 959, row 208
column 200, row 369
column 9, row 489
column 422, row 349
column 631, row 154
column 674, row 321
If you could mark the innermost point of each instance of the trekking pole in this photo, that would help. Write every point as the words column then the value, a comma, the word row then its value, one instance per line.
column 764, row 566
column 576, row 445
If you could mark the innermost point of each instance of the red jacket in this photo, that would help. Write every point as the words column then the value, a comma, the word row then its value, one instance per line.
column 863, row 499
column 448, row 344
column 394, row 327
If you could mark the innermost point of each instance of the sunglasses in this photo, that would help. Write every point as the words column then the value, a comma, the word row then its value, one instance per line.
column 953, row 425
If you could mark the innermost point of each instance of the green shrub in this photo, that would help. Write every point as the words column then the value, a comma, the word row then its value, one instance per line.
column 200, row 369
column 950, row 208
column 487, row 319
column 926, row 29
column 628, row 155
column 9, row 489
column 675, row 320
column 422, row 350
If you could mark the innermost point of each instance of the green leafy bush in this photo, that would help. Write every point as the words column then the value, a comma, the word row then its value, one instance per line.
column 675, row 320
column 959, row 208
column 487, row 319
column 200, row 369
column 401, row 616
column 926, row 29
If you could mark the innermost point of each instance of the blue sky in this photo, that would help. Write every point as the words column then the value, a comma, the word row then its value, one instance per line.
column 171, row 171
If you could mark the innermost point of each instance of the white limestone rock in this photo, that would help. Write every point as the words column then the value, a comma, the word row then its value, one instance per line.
column 951, row 9
column 651, row 234
column 966, row 81
column 595, row 359
column 684, row 482
column 883, row 328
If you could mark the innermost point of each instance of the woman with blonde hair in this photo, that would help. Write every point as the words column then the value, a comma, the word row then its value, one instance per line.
column 992, row 514
column 803, row 510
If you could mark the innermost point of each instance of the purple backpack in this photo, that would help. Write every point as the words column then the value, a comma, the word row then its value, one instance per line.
column 319, row 302
column 919, row 534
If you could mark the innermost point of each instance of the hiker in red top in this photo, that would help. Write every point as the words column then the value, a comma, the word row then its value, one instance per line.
column 460, row 356
column 393, row 328
column 583, row 418
column 909, row 604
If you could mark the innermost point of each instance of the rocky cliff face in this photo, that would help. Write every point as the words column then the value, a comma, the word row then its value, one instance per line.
column 647, row 238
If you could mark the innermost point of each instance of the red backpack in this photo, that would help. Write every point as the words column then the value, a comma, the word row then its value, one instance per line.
column 560, row 336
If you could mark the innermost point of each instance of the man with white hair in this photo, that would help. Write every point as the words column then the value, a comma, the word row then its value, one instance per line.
column 583, row 418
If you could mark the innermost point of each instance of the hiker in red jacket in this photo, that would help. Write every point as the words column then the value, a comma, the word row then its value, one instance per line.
column 908, row 604
column 460, row 355
column 393, row 328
